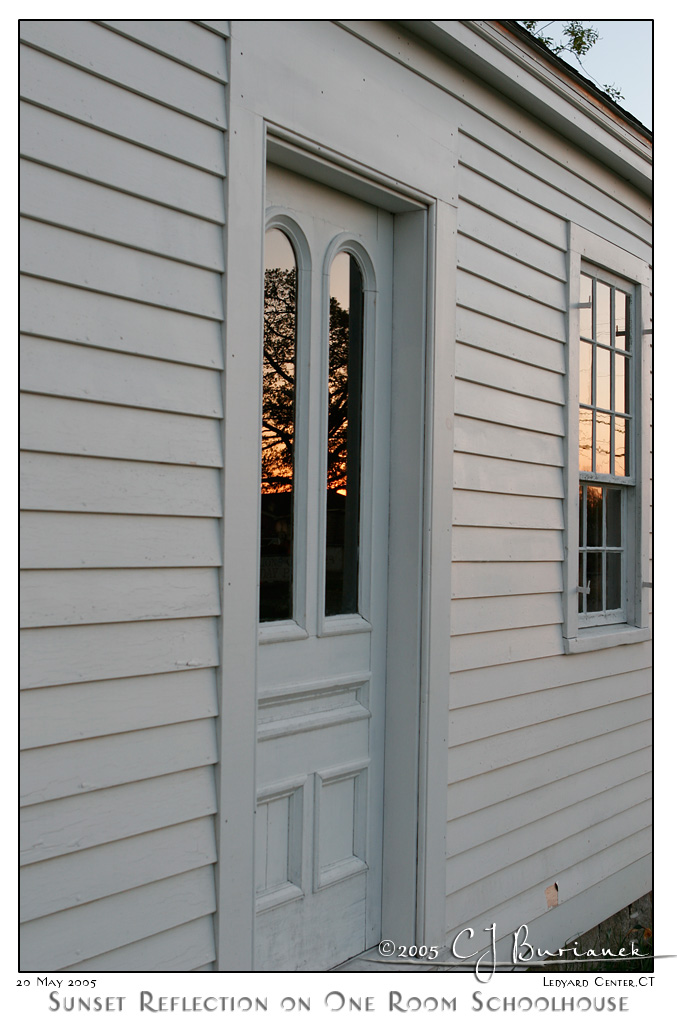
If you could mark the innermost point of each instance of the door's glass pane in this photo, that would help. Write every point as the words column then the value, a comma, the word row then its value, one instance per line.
column 594, row 578
column 613, row 517
column 594, row 517
column 585, row 396
column 586, row 306
column 613, row 580
column 603, row 444
column 277, row 430
column 621, row 304
column 344, row 435
column 603, row 313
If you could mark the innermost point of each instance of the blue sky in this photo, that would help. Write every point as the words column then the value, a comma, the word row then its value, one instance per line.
column 622, row 56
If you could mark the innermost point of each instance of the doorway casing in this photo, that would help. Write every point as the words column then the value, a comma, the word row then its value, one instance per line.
column 413, row 851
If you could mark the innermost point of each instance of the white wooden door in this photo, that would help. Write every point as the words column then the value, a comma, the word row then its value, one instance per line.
column 324, row 556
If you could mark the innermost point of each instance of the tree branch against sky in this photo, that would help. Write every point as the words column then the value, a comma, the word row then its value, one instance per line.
column 574, row 37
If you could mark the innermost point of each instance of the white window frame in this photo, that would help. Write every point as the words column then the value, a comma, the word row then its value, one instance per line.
column 598, row 255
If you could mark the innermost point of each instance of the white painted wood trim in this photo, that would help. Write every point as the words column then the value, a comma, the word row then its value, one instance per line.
column 436, row 612
column 585, row 245
column 236, row 774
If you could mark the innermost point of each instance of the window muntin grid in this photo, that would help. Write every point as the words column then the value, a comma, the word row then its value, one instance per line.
column 605, row 454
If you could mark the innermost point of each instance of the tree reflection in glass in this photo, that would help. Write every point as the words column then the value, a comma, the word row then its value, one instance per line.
column 344, row 434
column 277, row 431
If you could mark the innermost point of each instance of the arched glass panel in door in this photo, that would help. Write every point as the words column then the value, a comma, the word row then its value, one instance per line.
column 344, row 435
column 278, row 428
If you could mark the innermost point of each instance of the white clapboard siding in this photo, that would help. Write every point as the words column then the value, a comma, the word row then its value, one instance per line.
column 567, row 170
column 504, row 748
column 481, row 473
column 103, row 816
column 73, row 654
column 81, row 484
column 480, row 826
column 629, row 234
column 57, row 141
column 476, row 401
column 73, row 258
column 71, row 597
column 177, row 949
column 477, row 687
column 517, row 712
column 482, row 896
column 547, row 752
column 501, row 303
column 123, row 211
column 595, row 884
column 475, row 223
column 485, row 332
column 110, row 56
column 505, row 646
column 98, row 375
column 482, row 544
column 64, row 200
column 493, row 371
column 59, row 425
column 62, row 939
column 499, row 579
column 480, row 437
column 486, row 614
column 67, row 769
column 63, row 882
column 58, row 540
column 67, row 90
column 83, row 710
column 57, row 311
column 521, row 511
column 181, row 40
column 524, row 777
column 555, row 827
column 496, row 198
column 483, row 261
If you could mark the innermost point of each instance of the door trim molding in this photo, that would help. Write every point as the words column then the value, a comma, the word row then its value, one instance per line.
column 416, row 729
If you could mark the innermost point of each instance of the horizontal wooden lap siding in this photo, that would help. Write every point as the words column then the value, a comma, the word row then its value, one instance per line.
column 81, row 710
column 123, row 62
column 512, row 896
column 64, row 200
column 66, row 90
column 54, row 140
column 554, row 828
column 63, row 939
column 63, row 540
column 123, row 210
column 81, row 596
column 183, row 41
column 76, row 823
column 90, row 319
column 184, row 948
column 465, row 832
column 488, row 790
column 494, row 335
column 77, row 427
column 66, row 769
column 54, row 885
column 549, row 756
column 98, row 375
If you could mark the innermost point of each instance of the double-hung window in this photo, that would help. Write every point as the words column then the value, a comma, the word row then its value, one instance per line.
column 607, row 569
